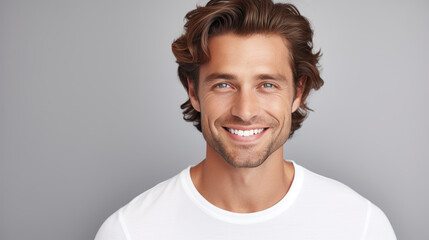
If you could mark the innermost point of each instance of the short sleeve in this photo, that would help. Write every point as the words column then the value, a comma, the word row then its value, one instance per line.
column 111, row 229
column 378, row 226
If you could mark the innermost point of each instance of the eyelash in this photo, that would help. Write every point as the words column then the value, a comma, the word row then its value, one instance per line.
column 264, row 85
column 226, row 85
column 222, row 85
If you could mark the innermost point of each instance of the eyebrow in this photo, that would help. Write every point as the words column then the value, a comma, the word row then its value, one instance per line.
column 277, row 77
column 231, row 77
column 215, row 76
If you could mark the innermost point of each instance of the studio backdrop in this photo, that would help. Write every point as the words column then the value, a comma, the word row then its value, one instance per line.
column 90, row 109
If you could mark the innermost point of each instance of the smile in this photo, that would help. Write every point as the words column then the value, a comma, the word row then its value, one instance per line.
column 245, row 133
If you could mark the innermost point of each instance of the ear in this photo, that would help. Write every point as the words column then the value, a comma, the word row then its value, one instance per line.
column 193, row 96
column 299, row 91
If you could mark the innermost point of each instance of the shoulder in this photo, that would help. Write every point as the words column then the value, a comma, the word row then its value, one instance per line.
column 339, row 203
column 141, row 209
column 378, row 225
column 112, row 228
column 329, row 190
column 159, row 194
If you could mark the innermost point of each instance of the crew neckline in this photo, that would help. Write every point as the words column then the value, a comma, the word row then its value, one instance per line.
column 243, row 218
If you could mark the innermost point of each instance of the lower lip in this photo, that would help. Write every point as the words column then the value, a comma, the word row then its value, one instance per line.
column 244, row 139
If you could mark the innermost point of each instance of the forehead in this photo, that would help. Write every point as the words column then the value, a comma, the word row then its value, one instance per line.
column 249, row 54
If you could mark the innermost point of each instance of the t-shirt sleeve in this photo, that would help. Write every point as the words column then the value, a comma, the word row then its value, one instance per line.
column 112, row 229
column 378, row 226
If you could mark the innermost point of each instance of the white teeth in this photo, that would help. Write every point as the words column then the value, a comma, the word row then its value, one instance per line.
column 245, row 133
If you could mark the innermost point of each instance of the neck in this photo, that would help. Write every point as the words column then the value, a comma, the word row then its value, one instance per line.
column 243, row 190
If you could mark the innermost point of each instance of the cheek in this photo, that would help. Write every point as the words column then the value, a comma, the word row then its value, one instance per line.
column 278, row 106
column 213, row 107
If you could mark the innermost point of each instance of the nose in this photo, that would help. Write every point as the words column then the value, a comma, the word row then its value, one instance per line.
column 246, row 105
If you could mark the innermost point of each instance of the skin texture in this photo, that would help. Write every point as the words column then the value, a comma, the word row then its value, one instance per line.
column 247, row 84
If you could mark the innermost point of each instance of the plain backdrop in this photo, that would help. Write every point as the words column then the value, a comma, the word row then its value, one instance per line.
column 90, row 117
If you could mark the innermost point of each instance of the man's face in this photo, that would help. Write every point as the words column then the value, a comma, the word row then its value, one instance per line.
column 246, row 97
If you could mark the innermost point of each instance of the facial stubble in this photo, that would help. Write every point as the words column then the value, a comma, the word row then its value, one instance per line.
column 243, row 156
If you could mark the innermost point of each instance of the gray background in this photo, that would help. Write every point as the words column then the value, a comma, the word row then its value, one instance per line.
column 90, row 118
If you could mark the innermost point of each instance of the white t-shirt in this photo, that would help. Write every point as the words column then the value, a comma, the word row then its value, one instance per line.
column 315, row 207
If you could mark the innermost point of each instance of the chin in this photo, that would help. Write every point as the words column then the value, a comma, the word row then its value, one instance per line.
column 245, row 160
column 245, row 164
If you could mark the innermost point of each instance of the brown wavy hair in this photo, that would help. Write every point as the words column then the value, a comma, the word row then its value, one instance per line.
column 245, row 17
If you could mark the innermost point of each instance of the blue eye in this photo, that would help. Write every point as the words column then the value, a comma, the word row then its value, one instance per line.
column 222, row 85
column 267, row 85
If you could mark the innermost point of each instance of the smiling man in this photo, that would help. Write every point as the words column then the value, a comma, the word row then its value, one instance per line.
column 248, row 67
column 246, row 96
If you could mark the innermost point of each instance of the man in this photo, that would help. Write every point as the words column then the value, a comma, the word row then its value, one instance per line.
column 248, row 67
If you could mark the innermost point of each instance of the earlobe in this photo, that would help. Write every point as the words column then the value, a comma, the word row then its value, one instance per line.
column 299, row 91
column 193, row 97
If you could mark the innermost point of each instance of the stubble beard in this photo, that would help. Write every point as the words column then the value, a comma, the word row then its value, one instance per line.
column 243, row 156
column 237, row 160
